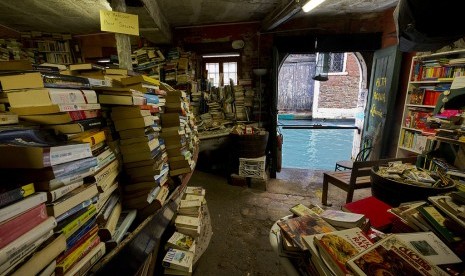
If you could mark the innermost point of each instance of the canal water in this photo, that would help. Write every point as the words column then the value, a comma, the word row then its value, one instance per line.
column 316, row 149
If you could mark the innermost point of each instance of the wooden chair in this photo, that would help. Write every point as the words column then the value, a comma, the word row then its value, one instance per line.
column 347, row 164
column 357, row 178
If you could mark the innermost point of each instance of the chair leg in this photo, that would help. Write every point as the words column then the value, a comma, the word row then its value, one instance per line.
column 324, row 196
column 350, row 195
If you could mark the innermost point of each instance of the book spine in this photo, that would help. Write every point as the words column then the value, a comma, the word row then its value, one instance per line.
column 72, row 96
column 88, row 261
column 68, row 153
column 49, row 270
column 17, row 226
column 100, row 176
column 16, row 194
column 65, row 180
column 124, row 222
column 86, row 234
column 73, row 226
column 22, row 206
column 77, row 237
column 42, row 257
column 77, row 107
column 94, row 138
column 19, row 256
column 77, row 254
column 106, row 233
column 24, row 242
column 83, row 114
column 76, row 197
column 65, row 169
column 64, row 81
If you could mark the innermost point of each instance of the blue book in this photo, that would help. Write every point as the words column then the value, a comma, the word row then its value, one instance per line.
column 151, row 98
column 71, row 241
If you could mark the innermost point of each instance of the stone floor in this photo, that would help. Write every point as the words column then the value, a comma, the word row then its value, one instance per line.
column 241, row 218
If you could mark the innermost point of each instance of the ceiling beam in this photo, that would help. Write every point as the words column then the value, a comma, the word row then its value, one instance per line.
column 280, row 15
column 160, row 32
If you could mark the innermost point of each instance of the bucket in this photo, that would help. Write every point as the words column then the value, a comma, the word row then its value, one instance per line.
column 250, row 146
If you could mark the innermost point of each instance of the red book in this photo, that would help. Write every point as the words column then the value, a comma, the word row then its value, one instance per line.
column 374, row 209
column 12, row 229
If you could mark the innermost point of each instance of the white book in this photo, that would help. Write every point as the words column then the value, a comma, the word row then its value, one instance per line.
column 58, row 193
column 9, row 265
column 178, row 259
column 187, row 221
column 86, row 263
column 125, row 220
column 195, row 190
column 49, row 270
column 71, row 96
column 430, row 247
column 15, row 248
column 22, row 206
column 342, row 219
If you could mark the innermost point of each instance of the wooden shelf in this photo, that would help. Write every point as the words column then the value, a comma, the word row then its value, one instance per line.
column 449, row 140
column 128, row 256
column 420, row 105
column 412, row 129
column 411, row 150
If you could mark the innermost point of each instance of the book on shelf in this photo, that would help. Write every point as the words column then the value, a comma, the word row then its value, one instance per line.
column 72, row 199
column 140, row 122
column 391, row 257
column 178, row 259
column 343, row 219
column 51, row 96
column 108, row 229
column 16, row 81
column 337, row 247
column 21, row 247
column 87, row 230
column 125, row 220
column 52, row 80
column 121, row 99
column 430, row 247
column 42, row 257
column 72, row 224
column 13, row 228
column 76, row 253
column 295, row 228
column 40, row 157
column 126, row 112
column 79, row 126
column 180, row 241
column 50, row 109
column 12, row 193
column 86, row 263
column 302, row 210
column 9, row 211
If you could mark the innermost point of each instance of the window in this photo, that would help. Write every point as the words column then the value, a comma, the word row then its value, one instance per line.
column 337, row 62
column 225, row 68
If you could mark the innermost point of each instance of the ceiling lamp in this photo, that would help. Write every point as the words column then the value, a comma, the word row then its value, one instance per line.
column 311, row 4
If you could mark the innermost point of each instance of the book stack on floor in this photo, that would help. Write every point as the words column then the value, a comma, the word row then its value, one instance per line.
column 181, row 246
column 180, row 255
column 239, row 101
column 189, row 217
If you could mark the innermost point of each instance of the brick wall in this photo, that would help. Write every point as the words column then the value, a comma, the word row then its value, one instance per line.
column 341, row 91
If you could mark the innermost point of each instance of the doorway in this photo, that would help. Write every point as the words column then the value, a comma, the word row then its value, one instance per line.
column 319, row 119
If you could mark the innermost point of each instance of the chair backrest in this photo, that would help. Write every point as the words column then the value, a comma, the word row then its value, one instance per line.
column 363, row 154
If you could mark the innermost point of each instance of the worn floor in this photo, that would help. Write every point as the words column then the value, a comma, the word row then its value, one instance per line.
column 241, row 218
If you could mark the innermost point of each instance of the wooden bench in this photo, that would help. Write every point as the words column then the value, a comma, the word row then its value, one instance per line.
column 357, row 178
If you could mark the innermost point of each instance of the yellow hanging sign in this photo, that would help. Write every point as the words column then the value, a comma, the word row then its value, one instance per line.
column 119, row 22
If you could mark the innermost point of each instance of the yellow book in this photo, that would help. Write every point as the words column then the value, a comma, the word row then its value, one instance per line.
column 65, row 264
column 92, row 138
column 139, row 79
column 74, row 225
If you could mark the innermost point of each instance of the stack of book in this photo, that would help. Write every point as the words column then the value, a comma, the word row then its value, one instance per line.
column 239, row 101
column 188, row 220
column 176, row 132
column 179, row 244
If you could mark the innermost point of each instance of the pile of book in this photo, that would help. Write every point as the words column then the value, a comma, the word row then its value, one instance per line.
column 148, row 59
column 181, row 246
column 239, row 102
column 354, row 248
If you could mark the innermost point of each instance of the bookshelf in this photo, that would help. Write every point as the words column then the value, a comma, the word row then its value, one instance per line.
column 430, row 75
column 51, row 47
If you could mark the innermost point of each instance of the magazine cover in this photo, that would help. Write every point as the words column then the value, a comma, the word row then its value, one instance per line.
column 391, row 257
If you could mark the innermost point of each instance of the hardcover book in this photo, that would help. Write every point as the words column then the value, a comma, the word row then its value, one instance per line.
column 390, row 256
column 178, row 259
column 295, row 228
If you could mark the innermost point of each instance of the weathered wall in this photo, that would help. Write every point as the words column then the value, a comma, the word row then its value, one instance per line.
column 341, row 90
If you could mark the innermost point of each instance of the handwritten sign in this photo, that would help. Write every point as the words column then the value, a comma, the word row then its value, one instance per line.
column 119, row 22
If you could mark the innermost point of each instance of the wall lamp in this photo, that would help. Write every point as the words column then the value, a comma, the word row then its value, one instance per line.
column 311, row 4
